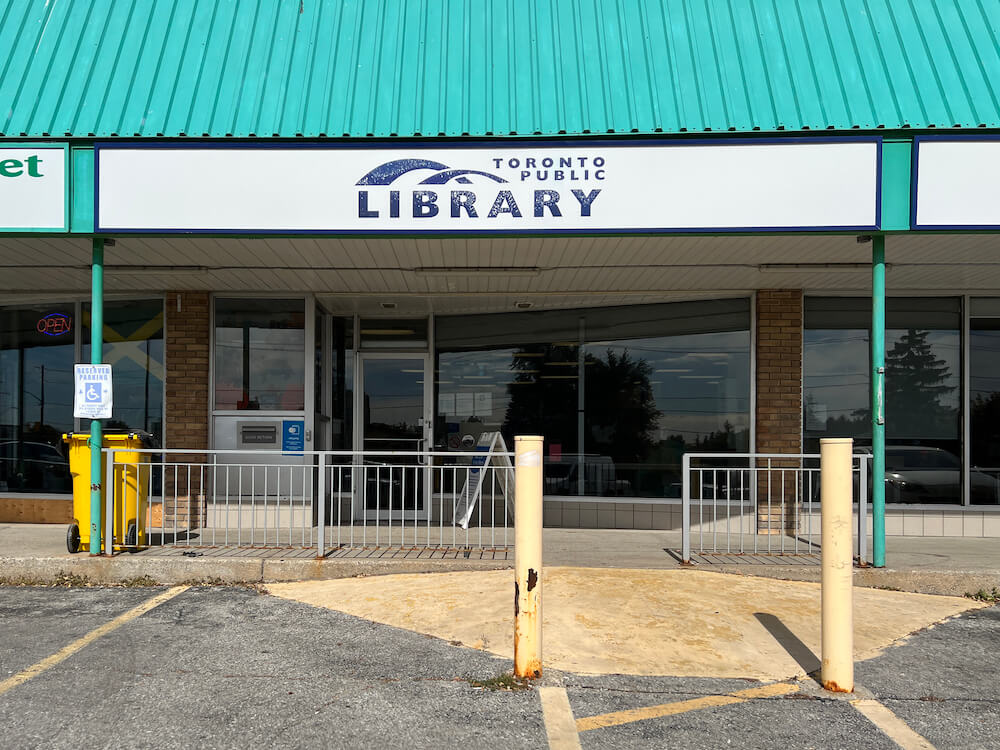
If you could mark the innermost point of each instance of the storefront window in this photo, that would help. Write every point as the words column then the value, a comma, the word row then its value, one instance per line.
column 259, row 354
column 343, row 383
column 650, row 401
column 519, row 390
column 340, row 396
column 922, row 389
column 984, row 410
column 618, row 393
column 133, row 346
column 36, row 397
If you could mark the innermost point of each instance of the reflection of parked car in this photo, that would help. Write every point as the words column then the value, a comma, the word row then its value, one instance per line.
column 562, row 477
column 34, row 466
column 924, row 474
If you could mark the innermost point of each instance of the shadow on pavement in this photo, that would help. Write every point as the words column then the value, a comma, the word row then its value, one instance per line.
column 799, row 651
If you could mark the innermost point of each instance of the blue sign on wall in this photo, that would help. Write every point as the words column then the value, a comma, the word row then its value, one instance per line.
column 293, row 435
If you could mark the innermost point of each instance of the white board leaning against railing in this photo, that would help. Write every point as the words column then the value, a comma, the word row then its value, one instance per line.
column 494, row 450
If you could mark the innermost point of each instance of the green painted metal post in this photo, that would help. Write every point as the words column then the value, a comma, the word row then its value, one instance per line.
column 878, row 401
column 96, row 356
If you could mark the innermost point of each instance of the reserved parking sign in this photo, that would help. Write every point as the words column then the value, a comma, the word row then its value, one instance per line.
column 93, row 392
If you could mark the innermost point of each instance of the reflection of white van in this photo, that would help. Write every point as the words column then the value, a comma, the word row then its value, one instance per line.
column 562, row 476
column 925, row 474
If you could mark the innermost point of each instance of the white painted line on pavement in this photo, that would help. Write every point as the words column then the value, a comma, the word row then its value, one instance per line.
column 61, row 655
column 559, row 723
column 892, row 725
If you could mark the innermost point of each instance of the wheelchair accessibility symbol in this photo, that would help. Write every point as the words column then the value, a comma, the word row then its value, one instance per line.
column 93, row 391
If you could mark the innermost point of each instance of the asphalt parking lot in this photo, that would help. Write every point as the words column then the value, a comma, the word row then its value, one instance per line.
column 220, row 667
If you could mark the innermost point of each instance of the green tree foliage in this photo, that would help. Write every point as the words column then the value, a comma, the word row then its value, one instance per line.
column 916, row 389
column 620, row 406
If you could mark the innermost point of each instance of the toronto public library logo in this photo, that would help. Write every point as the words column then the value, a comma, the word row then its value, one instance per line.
column 386, row 174
column 423, row 202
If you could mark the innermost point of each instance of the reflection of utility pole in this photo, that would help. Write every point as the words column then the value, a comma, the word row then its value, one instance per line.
column 246, row 365
column 19, row 433
column 41, row 400
column 145, row 401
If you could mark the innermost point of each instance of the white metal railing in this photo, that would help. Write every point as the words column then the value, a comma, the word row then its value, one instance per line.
column 322, row 500
column 760, row 503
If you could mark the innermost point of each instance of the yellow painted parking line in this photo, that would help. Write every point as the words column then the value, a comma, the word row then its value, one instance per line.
column 681, row 707
column 892, row 725
column 47, row 663
column 559, row 725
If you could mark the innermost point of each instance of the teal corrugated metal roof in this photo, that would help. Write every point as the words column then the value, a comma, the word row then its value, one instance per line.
column 359, row 68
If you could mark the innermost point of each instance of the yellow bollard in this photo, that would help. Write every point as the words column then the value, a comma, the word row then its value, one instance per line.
column 528, row 556
column 837, row 673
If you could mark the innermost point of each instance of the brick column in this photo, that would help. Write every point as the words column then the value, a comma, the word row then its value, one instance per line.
column 779, row 396
column 187, row 405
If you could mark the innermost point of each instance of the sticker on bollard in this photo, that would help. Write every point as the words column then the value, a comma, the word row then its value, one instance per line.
column 529, row 458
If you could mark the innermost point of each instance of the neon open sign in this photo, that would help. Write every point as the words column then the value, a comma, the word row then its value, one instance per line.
column 55, row 324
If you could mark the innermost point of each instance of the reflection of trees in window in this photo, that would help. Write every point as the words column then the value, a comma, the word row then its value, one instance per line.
column 915, row 384
column 620, row 406
column 671, row 450
column 543, row 395
column 856, row 424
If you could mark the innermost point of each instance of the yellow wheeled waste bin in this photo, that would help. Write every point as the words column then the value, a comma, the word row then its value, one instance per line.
column 131, row 478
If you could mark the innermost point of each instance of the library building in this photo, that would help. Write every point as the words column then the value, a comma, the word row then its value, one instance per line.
column 367, row 227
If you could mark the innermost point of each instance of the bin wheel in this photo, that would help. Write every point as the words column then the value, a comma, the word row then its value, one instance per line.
column 73, row 538
column 132, row 536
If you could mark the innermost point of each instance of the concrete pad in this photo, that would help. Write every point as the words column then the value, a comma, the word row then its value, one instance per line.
column 641, row 622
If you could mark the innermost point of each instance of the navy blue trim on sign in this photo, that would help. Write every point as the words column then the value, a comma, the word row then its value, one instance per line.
column 464, row 145
column 917, row 140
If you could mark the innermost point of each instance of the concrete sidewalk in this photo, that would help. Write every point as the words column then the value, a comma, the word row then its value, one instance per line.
column 931, row 565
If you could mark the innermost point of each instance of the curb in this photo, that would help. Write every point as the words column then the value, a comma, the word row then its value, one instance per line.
column 916, row 581
column 116, row 570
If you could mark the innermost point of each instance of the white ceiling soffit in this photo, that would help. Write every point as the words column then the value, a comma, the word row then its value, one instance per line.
column 479, row 274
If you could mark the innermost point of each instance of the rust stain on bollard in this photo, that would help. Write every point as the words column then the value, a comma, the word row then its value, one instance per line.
column 524, row 630
column 532, row 579
column 517, row 596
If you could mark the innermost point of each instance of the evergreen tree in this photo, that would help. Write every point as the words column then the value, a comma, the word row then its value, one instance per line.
column 916, row 384
column 620, row 406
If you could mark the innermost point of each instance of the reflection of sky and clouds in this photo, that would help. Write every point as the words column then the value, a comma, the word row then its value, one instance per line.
column 700, row 382
column 984, row 360
column 922, row 389
column 837, row 385
column 275, row 332
column 393, row 397
column 645, row 398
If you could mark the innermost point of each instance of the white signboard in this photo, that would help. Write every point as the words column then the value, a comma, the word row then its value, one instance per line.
column 956, row 186
column 494, row 451
column 503, row 187
column 33, row 188
column 92, row 399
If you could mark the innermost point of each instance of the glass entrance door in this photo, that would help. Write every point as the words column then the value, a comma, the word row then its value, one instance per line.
column 394, row 417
